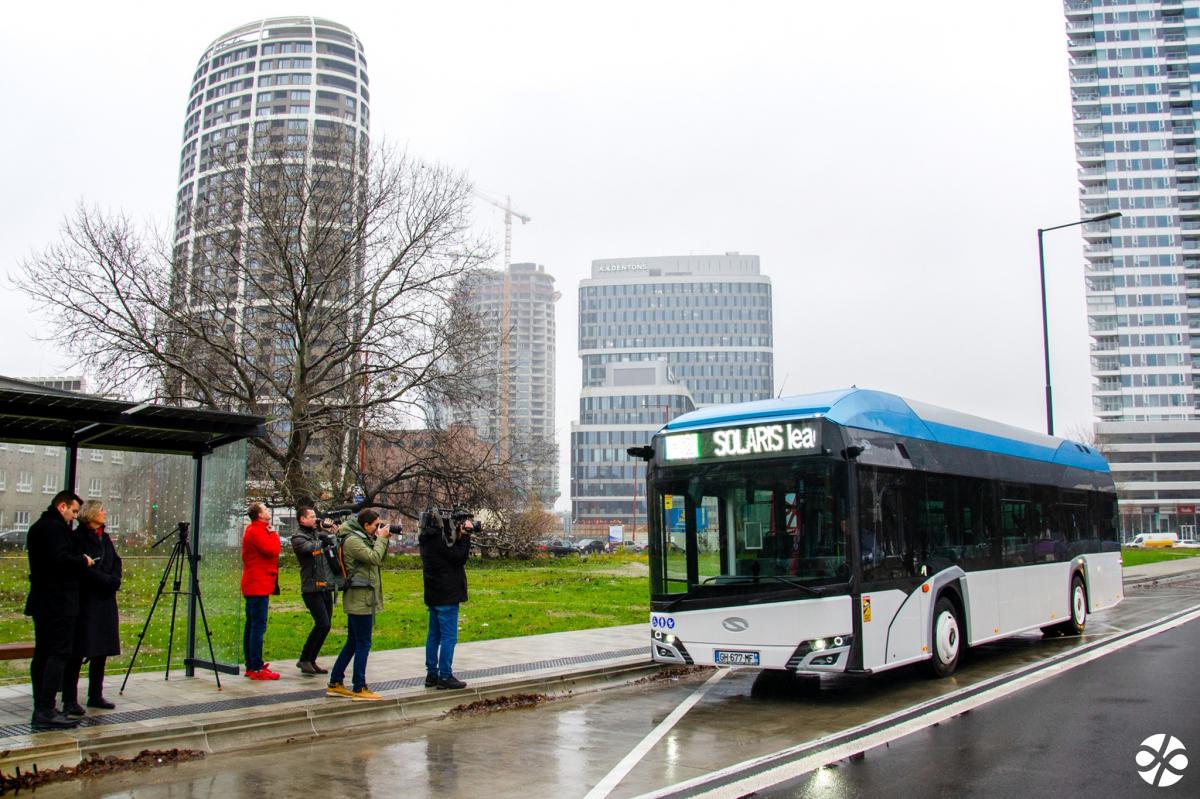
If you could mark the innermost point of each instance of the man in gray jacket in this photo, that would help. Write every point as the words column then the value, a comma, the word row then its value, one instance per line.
column 316, row 583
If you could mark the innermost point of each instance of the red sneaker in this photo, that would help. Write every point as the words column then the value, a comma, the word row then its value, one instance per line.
column 266, row 674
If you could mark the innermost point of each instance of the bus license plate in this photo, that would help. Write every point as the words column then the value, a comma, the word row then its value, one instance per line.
column 726, row 657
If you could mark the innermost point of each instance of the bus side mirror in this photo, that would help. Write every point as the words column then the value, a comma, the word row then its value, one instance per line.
column 645, row 453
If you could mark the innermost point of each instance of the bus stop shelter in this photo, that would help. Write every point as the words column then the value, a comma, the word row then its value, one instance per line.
column 35, row 416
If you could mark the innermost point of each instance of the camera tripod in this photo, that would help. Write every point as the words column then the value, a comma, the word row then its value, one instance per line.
column 181, row 554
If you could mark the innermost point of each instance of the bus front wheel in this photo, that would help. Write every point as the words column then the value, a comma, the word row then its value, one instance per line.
column 946, row 639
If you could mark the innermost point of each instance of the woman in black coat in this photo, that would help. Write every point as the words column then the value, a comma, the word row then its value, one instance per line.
column 97, row 630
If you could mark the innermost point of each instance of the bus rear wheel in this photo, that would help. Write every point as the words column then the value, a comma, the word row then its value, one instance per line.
column 1078, row 609
column 946, row 639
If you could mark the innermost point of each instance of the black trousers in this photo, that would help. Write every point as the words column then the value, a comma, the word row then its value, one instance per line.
column 320, row 605
column 53, row 638
column 70, row 686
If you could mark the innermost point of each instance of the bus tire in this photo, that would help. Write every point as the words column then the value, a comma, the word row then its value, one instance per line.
column 1078, row 608
column 945, row 638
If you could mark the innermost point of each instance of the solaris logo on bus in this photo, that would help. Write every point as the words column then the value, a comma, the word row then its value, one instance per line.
column 1161, row 760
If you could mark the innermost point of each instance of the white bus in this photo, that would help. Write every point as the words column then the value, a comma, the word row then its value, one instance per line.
column 857, row 531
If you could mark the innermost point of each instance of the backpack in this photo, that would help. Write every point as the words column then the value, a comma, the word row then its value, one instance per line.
column 344, row 567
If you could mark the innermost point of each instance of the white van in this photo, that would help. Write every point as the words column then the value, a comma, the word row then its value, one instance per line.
column 1154, row 540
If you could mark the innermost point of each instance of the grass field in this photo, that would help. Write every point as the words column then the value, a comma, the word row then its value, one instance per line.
column 507, row 598
column 1138, row 557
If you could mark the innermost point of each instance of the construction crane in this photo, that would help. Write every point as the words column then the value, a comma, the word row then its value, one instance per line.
column 505, row 309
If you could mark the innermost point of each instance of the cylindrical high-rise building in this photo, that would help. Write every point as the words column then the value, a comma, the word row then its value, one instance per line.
column 279, row 82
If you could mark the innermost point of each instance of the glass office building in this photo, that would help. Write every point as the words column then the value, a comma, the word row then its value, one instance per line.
column 702, row 323
column 1134, row 68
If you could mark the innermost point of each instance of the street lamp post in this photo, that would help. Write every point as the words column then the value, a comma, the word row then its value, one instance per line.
column 1045, row 319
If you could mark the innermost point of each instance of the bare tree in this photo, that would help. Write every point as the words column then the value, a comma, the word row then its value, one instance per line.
column 310, row 281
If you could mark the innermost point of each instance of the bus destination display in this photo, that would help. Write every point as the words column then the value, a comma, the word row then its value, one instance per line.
column 764, row 440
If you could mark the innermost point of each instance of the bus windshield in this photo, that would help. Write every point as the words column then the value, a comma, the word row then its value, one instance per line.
column 750, row 527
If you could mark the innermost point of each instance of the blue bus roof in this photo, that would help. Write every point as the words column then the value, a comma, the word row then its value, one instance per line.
column 881, row 412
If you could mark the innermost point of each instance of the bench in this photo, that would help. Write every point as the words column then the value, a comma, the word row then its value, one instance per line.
column 17, row 651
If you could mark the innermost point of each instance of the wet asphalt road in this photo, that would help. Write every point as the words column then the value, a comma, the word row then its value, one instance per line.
column 1083, row 725
column 1075, row 734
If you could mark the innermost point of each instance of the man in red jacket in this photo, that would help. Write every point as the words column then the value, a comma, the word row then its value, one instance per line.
column 260, row 576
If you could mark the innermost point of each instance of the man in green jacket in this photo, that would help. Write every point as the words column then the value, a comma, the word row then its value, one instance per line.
column 364, row 544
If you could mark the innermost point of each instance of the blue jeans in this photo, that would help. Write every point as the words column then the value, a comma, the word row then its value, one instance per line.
column 255, row 630
column 358, row 646
column 439, row 643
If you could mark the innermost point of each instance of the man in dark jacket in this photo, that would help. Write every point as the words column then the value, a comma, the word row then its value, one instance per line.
column 445, row 547
column 56, row 567
column 316, row 584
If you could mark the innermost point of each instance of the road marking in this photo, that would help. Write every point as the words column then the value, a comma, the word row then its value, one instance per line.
column 619, row 771
column 759, row 773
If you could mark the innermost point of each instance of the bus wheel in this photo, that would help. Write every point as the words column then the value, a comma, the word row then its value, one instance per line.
column 1079, row 608
column 946, row 638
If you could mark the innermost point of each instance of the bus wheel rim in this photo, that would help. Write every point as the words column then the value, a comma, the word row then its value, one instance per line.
column 947, row 637
column 1079, row 604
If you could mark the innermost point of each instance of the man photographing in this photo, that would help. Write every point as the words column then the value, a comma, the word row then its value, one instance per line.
column 445, row 545
column 316, row 582
column 56, row 566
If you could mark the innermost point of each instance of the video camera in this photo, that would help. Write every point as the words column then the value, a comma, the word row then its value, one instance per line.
column 446, row 521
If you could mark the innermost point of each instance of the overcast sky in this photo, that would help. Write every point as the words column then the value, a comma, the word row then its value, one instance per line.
column 890, row 162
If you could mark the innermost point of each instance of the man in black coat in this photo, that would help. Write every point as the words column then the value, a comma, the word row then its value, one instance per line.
column 445, row 547
column 56, row 567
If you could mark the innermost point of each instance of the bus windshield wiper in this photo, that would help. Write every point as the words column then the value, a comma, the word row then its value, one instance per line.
column 792, row 582
column 738, row 579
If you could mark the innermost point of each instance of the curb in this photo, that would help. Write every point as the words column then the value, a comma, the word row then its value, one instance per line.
column 318, row 719
column 1165, row 578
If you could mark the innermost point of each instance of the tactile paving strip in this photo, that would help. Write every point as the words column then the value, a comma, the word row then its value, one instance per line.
column 149, row 714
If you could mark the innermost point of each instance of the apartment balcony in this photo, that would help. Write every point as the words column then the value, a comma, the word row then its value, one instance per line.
column 1074, row 7
column 1085, row 97
column 1084, row 79
column 1083, row 116
column 1086, row 24
column 1099, row 267
column 1090, row 153
column 1081, row 44
column 1190, row 244
column 1083, row 62
column 1102, row 325
column 1108, row 386
column 1101, row 246
column 1094, row 174
column 1174, row 38
column 1093, row 191
column 1177, row 56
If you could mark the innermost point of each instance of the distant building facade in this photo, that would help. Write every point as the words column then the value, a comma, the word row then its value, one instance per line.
column 528, row 416
column 608, row 486
column 659, row 336
column 1135, row 141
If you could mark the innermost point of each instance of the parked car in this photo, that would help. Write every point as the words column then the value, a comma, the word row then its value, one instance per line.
column 626, row 546
column 13, row 539
column 1188, row 543
column 1154, row 540
column 556, row 547
column 591, row 546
